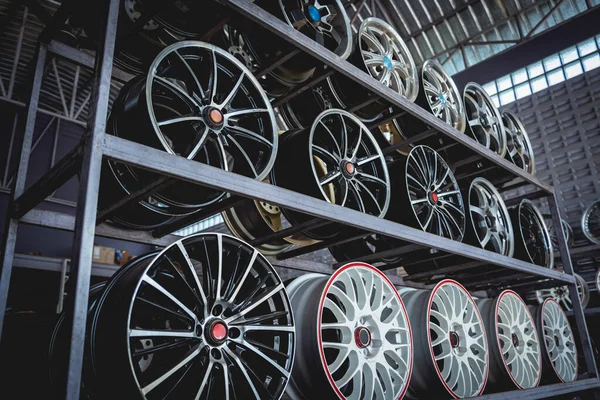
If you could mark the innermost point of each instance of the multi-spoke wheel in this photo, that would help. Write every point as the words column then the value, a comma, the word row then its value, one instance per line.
column 597, row 280
column 337, row 160
column 519, row 149
column 590, row 222
column 198, row 102
column 558, row 345
column 532, row 238
column 567, row 231
column 208, row 317
column 353, row 334
column 450, row 342
column 515, row 355
column 561, row 294
column 491, row 226
column 484, row 120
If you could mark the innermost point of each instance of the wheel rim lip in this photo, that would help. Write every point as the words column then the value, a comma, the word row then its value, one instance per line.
column 151, row 264
column 411, row 95
column 366, row 132
column 544, row 305
column 502, row 207
column 475, row 87
column 528, row 204
column 585, row 222
column 450, row 175
column 584, row 295
column 515, row 120
column 436, row 66
column 330, row 282
column 504, row 361
column 248, row 74
column 429, row 340
column 598, row 280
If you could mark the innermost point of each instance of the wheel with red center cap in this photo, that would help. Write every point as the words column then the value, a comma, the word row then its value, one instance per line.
column 210, row 312
column 533, row 242
column 515, row 352
column 196, row 101
column 354, row 336
column 450, row 342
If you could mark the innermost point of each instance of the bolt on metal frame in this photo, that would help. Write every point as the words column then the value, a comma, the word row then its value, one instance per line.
column 97, row 145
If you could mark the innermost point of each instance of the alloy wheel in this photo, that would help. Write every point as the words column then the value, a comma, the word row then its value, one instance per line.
column 519, row 149
column 484, row 120
column 442, row 95
column 534, row 243
column 590, row 222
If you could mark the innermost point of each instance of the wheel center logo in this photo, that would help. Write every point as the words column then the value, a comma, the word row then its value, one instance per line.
column 314, row 14
column 214, row 117
column 434, row 197
column 362, row 337
column 387, row 62
column 442, row 99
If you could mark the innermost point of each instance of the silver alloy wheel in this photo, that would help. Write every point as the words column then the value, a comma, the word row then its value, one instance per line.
column 559, row 343
column 483, row 118
column 359, row 331
column 535, row 237
column 516, row 351
column 489, row 218
column 598, row 280
column 342, row 144
column 519, row 149
column 562, row 296
column 590, row 222
column 387, row 57
column 435, row 196
column 224, row 103
column 442, row 95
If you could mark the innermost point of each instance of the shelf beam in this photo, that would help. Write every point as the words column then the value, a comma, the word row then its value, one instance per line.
column 545, row 391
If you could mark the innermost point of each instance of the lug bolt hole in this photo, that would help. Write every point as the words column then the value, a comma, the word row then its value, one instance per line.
column 234, row 333
column 217, row 310
column 198, row 330
column 216, row 354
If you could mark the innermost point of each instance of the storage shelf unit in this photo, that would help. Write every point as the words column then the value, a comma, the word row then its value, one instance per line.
column 87, row 158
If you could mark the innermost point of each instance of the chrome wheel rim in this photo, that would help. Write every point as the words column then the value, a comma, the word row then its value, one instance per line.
column 220, row 103
column 489, row 218
column 387, row 58
column 457, row 340
column 567, row 231
column 562, row 296
column 518, row 340
column 233, row 319
column 535, row 235
column 347, row 161
column 559, row 341
column 483, row 118
column 442, row 95
column 590, row 222
column 598, row 280
column 519, row 149
column 434, row 194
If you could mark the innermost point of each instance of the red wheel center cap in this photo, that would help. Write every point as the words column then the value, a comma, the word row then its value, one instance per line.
column 434, row 197
column 350, row 168
column 515, row 340
column 218, row 331
column 362, row 337
column 215, row 116
column 454, row 340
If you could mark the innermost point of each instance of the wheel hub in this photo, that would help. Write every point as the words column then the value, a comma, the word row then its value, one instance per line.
column 442, row 99
column 515, row 340
column 214, row 117
column 362, row 337
column 313, row 13
column 387, row 62
column 433, row 198
column 454, row 339
column 217, row 331
column 348, row 169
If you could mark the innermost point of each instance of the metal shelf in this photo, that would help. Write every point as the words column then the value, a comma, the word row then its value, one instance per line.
column 54, row 264
column 545, row 391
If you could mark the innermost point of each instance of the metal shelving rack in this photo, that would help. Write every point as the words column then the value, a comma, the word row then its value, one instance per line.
column 86, row 159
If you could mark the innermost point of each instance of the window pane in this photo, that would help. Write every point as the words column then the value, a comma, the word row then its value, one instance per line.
column 535, row 69
column 495, row 100
column 551, row 62
column 507, row 96
column 520, row 76
column 539, row 83
column 568, row 55
column 523, row 90
column 490, row 88
column 504, row 83
column 573, row 69
column 591, row 62
column 587, row 47
column 555, row 77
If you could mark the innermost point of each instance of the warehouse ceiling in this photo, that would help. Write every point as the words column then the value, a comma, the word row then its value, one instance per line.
column 460, row 33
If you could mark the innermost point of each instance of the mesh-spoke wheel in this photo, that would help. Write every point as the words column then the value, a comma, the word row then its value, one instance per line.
column 483, row 118
column 559, row 352
column 519, row 149
column 337, row 160
column 450, row 342
column 208, row 317
column 490, row 219
column 561, row 294
column 355, row 325
column 515, row 354
column 590, row 222
column 442, row 96
column 532, row 239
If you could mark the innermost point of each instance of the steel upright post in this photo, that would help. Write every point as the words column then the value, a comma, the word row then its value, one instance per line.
column 87, row 201
column 12, row 224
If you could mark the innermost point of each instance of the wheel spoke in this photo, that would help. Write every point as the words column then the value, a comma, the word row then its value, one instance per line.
column 151, row 386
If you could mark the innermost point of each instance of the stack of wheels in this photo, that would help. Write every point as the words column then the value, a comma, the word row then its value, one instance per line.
column 198, row 102
column 324, row 21
column 562, row 295
column 515, row 353
column 533, row 242
column 450, row 342
column 590, row 222
column 559, row 354
column 425, row 185
column 353, row 335
column 380, row 52
column 208, row 317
